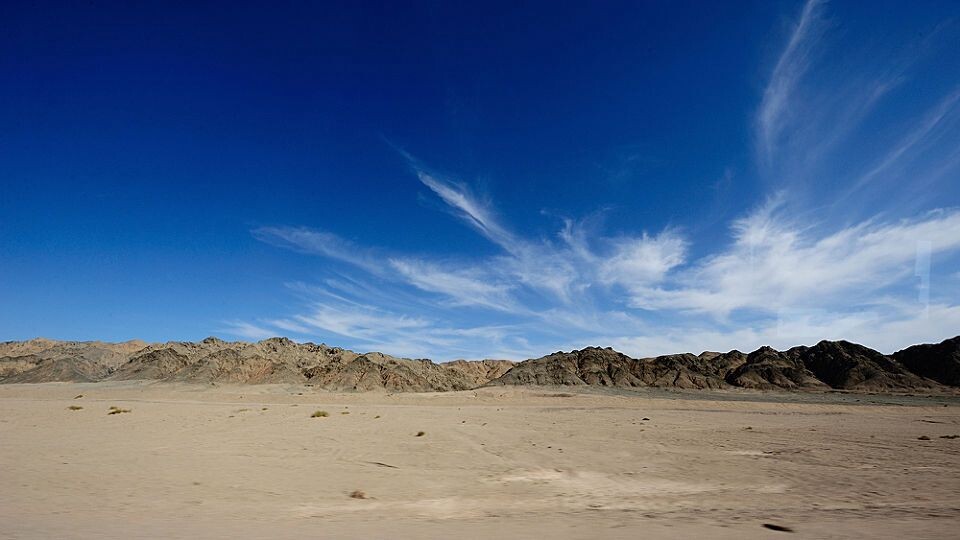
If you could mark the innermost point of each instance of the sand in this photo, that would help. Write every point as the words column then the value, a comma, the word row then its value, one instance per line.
column 250, row 462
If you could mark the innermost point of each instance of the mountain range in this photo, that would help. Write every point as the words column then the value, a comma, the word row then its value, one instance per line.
column 828, row 365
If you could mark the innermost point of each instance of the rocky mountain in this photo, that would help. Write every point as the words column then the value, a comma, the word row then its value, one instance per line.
column 46, row 360
column 848, row 366
column 274, row 360
column 606, row 367
column 826, row 366
column 940, row 362
column 829, row 365
column 280, row 360
column 479, row 372
column 769, row 369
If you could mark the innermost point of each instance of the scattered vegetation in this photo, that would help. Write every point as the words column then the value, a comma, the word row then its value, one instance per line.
column 421, row 433
column 117, row 410
column 75, row 408
column 923, row 438
column 263, row 409
column 344, row 412
column 377, row 416
column 358, row 494
column 319, row 414
column 950, row 436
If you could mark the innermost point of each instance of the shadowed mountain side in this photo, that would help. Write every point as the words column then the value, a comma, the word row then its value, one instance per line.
column 848, row 366
column 607, row 367
column 940, row 362
column 828, row 365
column 769, row 369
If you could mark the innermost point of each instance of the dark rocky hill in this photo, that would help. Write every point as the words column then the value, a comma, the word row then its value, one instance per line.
column 826, row 366
column 769, row 369
column 848, row 366
column 940, row 361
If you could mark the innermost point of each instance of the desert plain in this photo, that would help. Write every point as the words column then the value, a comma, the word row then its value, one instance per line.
column 293, row 461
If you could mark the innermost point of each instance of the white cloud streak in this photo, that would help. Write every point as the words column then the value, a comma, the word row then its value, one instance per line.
column 924, row 128
column 792, row 281
column 773, row 263
column 793, row 62
column 468, row 287
column 247, row 330
column 317, row 242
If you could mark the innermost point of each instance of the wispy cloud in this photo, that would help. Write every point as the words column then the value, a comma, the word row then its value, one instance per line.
column 246, row 330
column 470, row 209
column 889, row 329
column 317, row 242
column 642, row 261
column 465, row 287
column 337, row 319
column 790, row 281
column 788, row 271
column 793, row 62
column 914, row 138
column 816, row 127
column 774, row 263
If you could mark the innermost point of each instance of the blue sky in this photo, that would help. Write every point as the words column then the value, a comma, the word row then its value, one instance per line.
column 448, row 181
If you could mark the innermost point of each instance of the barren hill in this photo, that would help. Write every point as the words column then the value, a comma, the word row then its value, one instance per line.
column 940, row 362
column 280, row 360
column 274, row 360
column 828, row 365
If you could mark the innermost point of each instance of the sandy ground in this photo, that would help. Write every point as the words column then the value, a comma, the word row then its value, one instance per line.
column 250, row 462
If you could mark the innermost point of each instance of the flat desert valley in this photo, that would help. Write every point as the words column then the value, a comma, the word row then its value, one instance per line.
column 292, row 461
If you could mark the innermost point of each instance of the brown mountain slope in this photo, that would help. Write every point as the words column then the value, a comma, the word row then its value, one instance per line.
column 827, row 365
column 280, row 360
column 590, row 366
column 479, row 372
column 47, row 360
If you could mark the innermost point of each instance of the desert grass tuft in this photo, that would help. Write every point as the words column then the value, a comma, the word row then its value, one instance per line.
column 117, row 410
column 75, row 408
column 421, row 433
column 319, row 414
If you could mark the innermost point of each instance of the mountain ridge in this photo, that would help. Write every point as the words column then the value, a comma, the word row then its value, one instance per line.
column 826, row 366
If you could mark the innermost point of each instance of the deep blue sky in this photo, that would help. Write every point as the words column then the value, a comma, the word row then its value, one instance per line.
column 434, row 179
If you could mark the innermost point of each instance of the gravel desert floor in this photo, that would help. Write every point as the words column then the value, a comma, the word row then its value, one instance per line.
column 277, row 461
